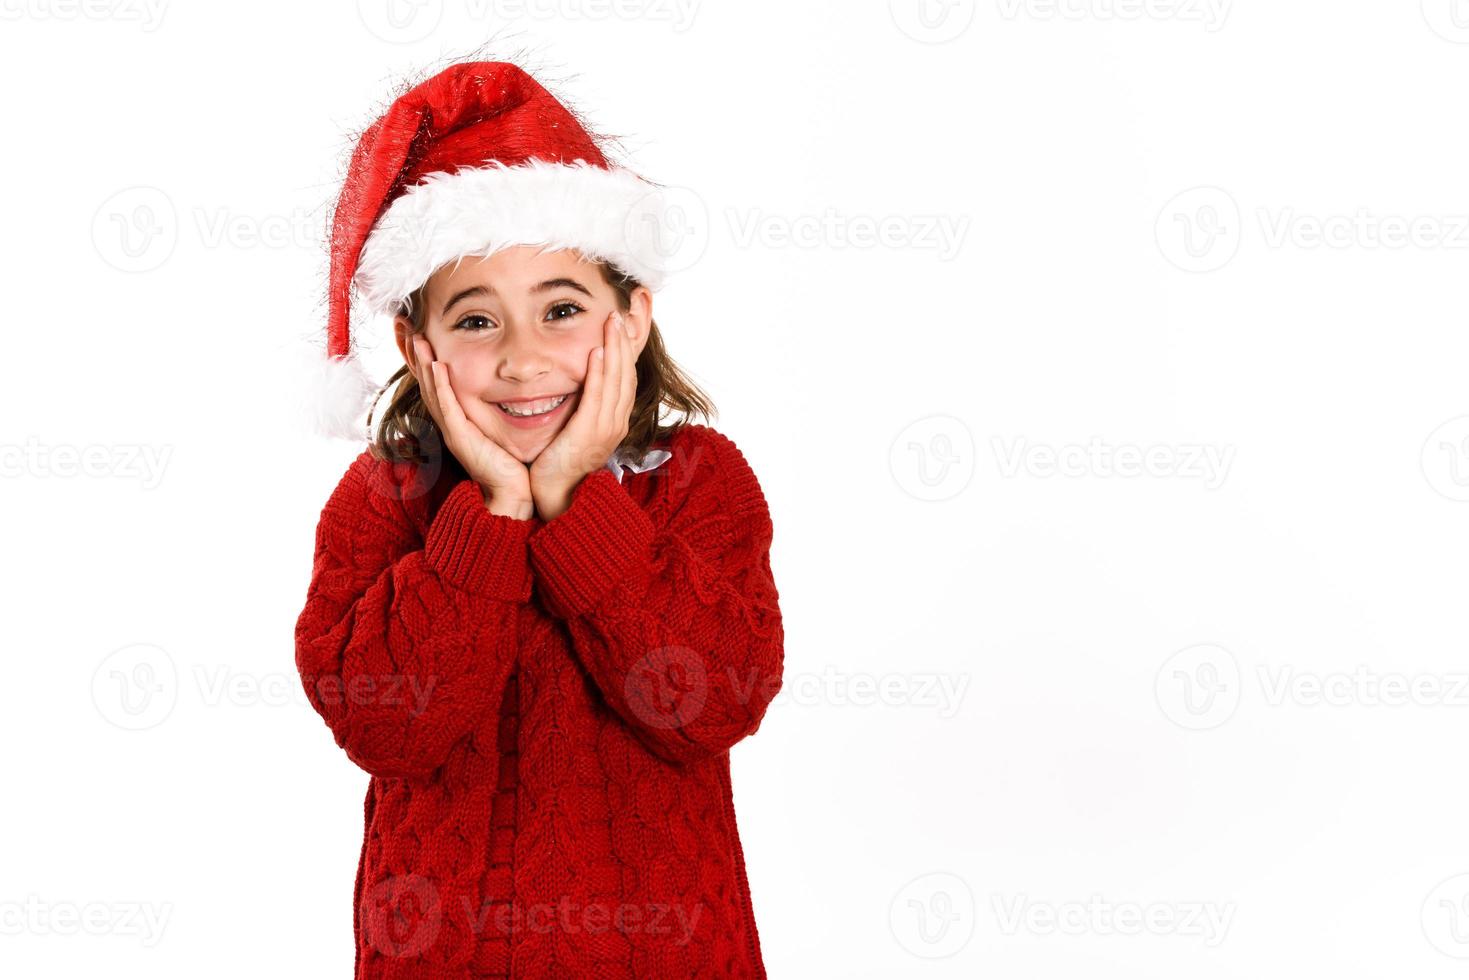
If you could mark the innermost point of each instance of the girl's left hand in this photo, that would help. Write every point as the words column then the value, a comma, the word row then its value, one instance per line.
column 597, row 427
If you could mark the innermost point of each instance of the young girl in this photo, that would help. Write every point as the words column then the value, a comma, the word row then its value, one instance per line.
column 537, row 617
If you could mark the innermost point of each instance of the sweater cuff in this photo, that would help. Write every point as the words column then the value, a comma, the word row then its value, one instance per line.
column 478, row 551
column 598, row 542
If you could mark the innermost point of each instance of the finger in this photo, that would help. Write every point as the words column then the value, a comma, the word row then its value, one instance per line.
column 427, row 389
column 589, row 413
column 611, row 376
column 425, row 372
column 454, row 419
column 629, row 380
column 592, row 389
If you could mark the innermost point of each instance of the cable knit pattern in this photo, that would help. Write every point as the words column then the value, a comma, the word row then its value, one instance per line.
column 546, row 709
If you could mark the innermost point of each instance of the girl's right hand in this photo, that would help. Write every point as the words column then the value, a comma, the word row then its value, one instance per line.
column 505, row 479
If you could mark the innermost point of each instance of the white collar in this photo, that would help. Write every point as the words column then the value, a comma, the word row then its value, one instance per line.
column 621, row 460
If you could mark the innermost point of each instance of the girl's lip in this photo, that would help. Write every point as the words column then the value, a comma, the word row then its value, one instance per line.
column 536, row 421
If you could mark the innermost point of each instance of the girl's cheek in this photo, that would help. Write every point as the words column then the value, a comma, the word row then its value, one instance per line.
column 584, row 356
column 474, row 366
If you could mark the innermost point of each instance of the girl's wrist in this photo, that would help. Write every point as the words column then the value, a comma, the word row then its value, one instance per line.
column 520, row 510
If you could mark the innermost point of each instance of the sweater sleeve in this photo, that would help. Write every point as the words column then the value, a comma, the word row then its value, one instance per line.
column 679, row 625
column 404, row 645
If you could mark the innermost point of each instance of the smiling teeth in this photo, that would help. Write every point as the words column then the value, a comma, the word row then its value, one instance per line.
column 524, row 409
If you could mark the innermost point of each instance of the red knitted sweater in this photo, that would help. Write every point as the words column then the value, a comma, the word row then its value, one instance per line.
column 546, row 710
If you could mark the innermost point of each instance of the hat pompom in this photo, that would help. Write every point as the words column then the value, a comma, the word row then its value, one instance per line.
column 338, row 396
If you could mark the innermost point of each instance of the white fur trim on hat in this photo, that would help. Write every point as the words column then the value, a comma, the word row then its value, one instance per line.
column 608, row 215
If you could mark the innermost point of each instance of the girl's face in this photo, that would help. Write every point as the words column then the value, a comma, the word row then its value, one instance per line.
column 520, row 325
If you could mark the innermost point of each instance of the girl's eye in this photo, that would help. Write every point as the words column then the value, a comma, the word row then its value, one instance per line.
column 464, row 323
column 474, row 322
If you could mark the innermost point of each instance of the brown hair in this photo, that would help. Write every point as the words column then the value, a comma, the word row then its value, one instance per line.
column 407, row 432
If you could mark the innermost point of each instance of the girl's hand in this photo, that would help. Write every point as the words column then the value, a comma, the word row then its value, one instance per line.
column 505, row 479
column 598, row 426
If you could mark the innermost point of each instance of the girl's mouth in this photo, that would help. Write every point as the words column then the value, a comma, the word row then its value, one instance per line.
column 540, row 413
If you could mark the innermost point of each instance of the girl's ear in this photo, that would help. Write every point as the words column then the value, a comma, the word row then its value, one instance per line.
column 640, row 315
column 403, row 335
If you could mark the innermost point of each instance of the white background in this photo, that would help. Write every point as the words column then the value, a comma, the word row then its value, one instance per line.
column 1047, row 713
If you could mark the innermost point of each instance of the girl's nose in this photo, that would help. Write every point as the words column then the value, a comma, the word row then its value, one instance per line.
column 521, row 359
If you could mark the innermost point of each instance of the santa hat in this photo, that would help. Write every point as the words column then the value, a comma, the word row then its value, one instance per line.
column 477, row 158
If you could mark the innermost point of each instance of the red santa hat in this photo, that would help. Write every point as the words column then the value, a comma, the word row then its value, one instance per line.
column 475, row 159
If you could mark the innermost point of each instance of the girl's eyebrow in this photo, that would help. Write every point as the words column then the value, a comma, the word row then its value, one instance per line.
column 464, row 294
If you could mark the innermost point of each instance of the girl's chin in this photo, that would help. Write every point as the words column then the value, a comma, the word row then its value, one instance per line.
column 523, row 445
